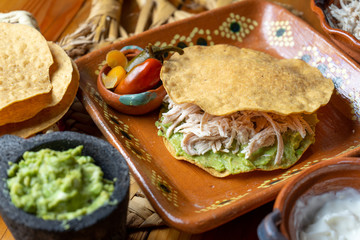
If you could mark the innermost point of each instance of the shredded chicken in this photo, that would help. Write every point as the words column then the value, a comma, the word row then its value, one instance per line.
column 204, row 132
column 347, row 16
column 280, row 142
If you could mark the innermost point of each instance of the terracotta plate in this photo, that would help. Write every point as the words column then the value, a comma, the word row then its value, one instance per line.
column 185, row 196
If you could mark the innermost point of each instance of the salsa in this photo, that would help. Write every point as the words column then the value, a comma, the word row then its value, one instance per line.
column 58, row 185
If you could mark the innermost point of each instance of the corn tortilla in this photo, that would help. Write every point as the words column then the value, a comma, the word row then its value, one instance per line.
column 25, row 59
column 48, row 116
column 60, row 73
column 224, row 79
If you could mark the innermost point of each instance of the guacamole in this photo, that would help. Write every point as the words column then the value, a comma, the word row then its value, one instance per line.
column 234, row 163
column 58, row 185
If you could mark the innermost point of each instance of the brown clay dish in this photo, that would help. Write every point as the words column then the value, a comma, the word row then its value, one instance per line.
column 332, row 175
column 113, row 99
column 150, row 100
column 346, row 41
column 185, row 196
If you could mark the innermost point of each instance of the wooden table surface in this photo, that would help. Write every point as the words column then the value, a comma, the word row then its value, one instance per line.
column 57, row 22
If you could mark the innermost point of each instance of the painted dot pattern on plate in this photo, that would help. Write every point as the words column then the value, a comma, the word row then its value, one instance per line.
column 332, row 69
column 222, row 203
column 236, row 27
column 100, row 66
column 167, row 191
column 280, row 33
column 197, row 36
column 120, row 128
column 134, row 146
column 286, row 175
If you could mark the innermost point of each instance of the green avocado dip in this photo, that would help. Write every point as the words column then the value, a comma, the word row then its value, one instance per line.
column 294, row 147
column 58, row 185
column 234, row 163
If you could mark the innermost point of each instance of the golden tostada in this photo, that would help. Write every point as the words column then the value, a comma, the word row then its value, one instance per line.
column 231, row 110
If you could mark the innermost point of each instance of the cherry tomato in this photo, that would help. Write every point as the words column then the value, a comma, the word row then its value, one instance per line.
column 142, row 77
column 116, row 58
column 114, row 77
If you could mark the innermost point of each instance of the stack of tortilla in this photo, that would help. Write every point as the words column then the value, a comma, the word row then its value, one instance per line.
column 38, row 81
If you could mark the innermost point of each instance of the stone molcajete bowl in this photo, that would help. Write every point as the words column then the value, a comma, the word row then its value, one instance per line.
column 107, row 222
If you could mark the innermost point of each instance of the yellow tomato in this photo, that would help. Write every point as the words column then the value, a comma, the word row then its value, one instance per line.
column 114, row 77
column 116, row 58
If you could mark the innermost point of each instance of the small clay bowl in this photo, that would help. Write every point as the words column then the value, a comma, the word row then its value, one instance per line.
column 327, row 176
column 133, row 104
column 107, row 222
column 346, row 41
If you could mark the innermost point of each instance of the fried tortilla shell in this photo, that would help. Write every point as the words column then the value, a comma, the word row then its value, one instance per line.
column 47, row 116
column 223, row 79
column 61, row 73
column 25, row 59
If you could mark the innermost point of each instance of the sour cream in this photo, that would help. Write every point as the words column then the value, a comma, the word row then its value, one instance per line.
column 337, row 216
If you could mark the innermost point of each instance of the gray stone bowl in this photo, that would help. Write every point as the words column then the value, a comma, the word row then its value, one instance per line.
column 107, row 222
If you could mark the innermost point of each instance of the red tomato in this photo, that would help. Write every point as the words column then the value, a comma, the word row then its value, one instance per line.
column 142, row 77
